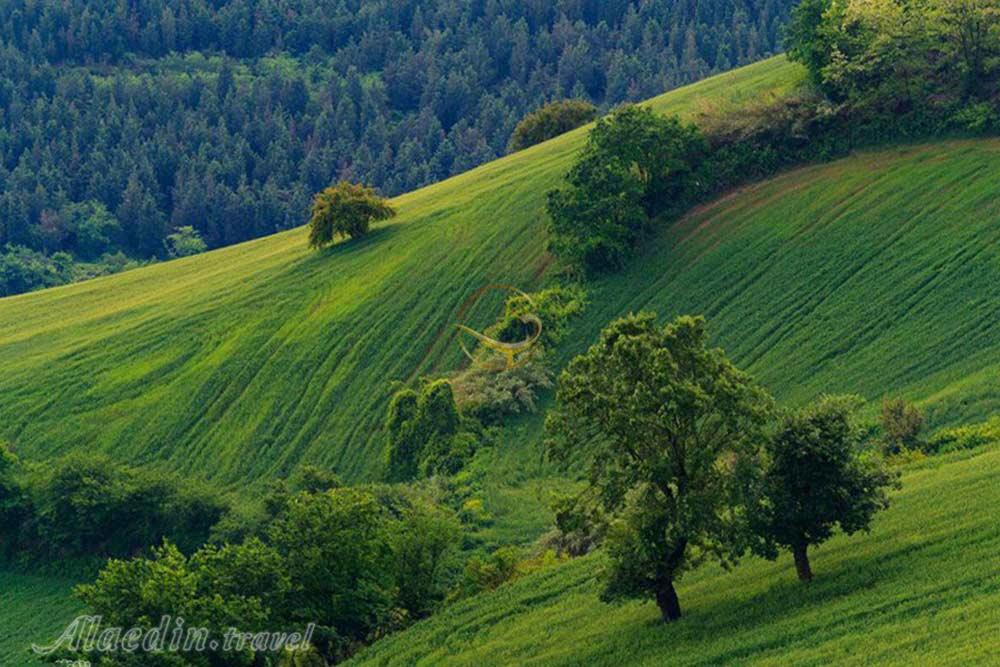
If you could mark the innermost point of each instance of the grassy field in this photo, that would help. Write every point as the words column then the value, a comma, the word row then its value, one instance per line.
column 922, row 589
column 239, row 364
column 875, row 274
column 33, row 609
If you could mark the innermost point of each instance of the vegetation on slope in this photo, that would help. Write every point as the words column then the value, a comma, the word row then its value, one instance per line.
column 226, row 115
column 240, row 364
column 663, row 256
column 871, row 275
column 922, row 590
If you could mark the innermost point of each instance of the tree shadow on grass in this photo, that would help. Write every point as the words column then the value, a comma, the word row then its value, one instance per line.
column 838, row 603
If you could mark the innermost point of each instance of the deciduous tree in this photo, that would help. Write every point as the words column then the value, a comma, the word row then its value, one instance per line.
column 663, row 418
column 817, row 476
column 345, row 209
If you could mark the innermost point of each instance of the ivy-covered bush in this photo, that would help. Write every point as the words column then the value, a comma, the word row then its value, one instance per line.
column 425, row 434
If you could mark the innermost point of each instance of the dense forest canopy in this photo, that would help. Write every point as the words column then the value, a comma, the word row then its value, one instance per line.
column 124, row 121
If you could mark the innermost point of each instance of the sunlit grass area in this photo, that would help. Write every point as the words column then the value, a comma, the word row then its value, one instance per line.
column 241, row 363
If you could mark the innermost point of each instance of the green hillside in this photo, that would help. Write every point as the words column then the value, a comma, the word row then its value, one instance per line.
column 238, row 364
column 922, row 589
column 871, row 274
column 875, row 274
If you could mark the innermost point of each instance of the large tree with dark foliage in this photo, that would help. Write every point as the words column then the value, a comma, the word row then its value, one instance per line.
column 226, row 116
column 817, row 476
column 663, row 420
column 636, row 165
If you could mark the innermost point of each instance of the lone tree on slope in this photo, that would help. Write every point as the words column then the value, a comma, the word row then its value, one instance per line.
column 345, row 209
column 663, row 420
column 817, row 476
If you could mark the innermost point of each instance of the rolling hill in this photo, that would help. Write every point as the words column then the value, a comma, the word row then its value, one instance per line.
column 239, row 364
column 874, row 274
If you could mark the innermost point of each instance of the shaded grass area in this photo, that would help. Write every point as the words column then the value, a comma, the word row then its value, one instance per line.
column 923, row 588
column 33, row 609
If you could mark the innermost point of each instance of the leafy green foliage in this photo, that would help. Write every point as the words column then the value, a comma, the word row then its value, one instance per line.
column 902, row 423
column 337, row 547
column 13, row 502
column 24, row 270
column 965, row 438
column 425, row 434
column 658, row 414
column 354, row 562
column 489, row 394
column 554, row 306
column 486, row 573
column 88, row 505
column 425, row 548
column 896, row 55
column 89, row 228
column 816, row 477
column 345, row 209
column 184, row 242
column 636, row 165
column 550, row 121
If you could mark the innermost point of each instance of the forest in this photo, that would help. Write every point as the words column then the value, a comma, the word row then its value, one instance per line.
column 124, row 122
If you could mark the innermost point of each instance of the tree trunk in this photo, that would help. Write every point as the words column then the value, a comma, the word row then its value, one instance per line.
column 802, row 562
column 666, row 600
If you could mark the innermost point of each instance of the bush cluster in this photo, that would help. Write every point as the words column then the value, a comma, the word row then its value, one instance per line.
column 489, row 395
column 356, row 562
column 550, row 121
column 426, row 434
column 635, row 166
column 87, row 505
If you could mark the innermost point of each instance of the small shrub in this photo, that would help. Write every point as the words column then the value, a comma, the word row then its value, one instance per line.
column 490, row 572
column 978, row 118
column 425, row 434
column 902, row 423
column 489, row 395
column 184, row 242
column 550, row 121
column 554, row 306
column 345, row 209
